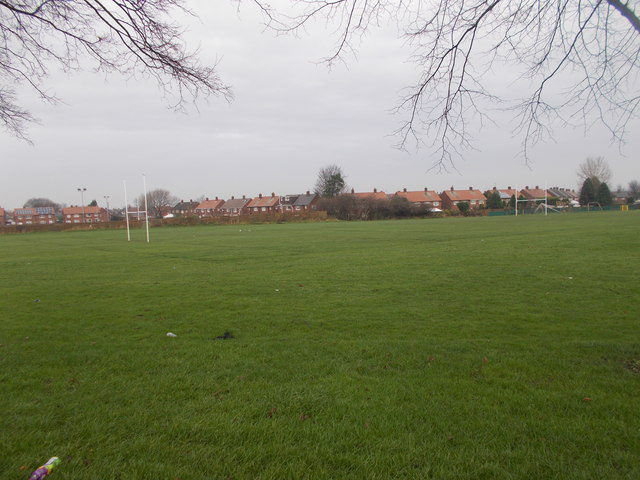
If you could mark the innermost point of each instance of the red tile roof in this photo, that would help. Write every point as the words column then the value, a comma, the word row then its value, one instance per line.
column 79, row 210
column 210, row 204
column 533, row 192
column 375, row 195
column 261, row 201
column 420, row 196
column 464, row 195
column 509, row 191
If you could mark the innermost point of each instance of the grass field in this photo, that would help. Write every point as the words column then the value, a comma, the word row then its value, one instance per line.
column 497, row 348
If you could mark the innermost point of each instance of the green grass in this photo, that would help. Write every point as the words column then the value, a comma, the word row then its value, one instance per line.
column 498, row 348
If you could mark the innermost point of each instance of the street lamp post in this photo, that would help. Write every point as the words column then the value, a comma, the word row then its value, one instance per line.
column 82, row 190
column 106, row 197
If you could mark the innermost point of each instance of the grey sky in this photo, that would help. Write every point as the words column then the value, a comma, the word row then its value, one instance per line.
column 290, row 117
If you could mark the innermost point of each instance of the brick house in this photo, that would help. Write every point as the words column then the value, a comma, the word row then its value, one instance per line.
column 4, row 217
column 287, row 201
column 475, row 198
column 306, row 201
column 84, row 215
column 209, row 208
column 424, row 197
column 299, row 202
column 564, row 196
column 505, row 193
column 234, row 206
column 533, row 194
column 34, row 216
column 185, row 209
column 375, row 195
column 262, row 204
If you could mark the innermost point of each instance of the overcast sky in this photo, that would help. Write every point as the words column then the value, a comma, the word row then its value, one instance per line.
column 290, row 117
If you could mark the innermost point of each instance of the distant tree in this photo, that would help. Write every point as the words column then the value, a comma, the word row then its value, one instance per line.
column 603, row 196
column 512, row 201
column 597, row 169
column 350, row 207
column 330, row 181
column 400, row 207
column 41, row 202
column 587, row 192
column 494, row 200
column 157, row 201
column 634, row 189
column 94, row 203
column 463, row 207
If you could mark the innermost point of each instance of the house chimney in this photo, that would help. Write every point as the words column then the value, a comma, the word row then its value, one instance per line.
column 352, row 191
column 243, row 197
column 375, row 190
column 207, row 199
column 509, row 187
column 232, row 197
column 426, row 189
column 527, row 187
column 404, row 190
column 273, row 194
column 259, row 195
column 308, row 192
column 494, row 188
column 470, row 188
column 452, row 188
column 216, row 198
column 537, row 187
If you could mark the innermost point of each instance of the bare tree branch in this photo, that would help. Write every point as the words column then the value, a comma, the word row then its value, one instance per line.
column 124, row 36
column 578, row 59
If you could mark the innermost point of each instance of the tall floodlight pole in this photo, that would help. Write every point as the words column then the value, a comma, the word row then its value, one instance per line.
column 126, row 211
column 82, row 190
column 146, row 207
column 106, row 197
column 545, row 199
column 516, row 202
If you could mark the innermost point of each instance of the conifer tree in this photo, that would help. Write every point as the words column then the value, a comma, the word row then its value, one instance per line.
column 604, row 196
column 587, row 192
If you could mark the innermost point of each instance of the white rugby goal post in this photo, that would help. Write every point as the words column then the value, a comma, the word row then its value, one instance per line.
column 146, row 208
column 527, row 200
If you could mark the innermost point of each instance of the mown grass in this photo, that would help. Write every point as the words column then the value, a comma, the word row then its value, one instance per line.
column 461, row 348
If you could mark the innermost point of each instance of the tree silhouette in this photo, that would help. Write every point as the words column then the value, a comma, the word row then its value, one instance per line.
column 125, row 36
column 576, row 61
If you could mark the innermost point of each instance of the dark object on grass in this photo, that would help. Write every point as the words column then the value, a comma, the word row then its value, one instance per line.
column 226, row 336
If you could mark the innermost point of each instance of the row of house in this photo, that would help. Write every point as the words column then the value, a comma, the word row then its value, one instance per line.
column 48, row 215
column 445, row 200
column 241, row 206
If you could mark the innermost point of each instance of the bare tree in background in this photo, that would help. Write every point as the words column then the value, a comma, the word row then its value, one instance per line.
column 125, row 36
column 330, row 181
column 158, row 201
column 42, row 202
column 587, row 48
column 597, row 169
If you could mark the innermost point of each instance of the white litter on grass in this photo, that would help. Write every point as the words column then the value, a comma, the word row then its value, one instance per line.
column 277, row 290
column 570, row 278
column 172, row 335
